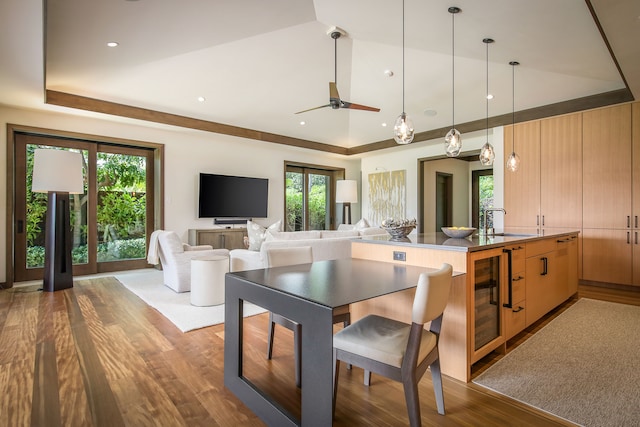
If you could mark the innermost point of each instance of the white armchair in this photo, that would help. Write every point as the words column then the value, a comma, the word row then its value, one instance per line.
column 166, row 248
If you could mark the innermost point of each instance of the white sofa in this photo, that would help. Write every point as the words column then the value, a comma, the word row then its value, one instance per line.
column 325, row 244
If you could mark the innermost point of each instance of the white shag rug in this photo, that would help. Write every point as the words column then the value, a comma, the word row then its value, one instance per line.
column 147, row 285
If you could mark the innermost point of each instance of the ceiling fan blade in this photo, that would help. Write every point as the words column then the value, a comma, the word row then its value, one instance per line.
column 333, row 92
column 345, row 104
column 314, row 108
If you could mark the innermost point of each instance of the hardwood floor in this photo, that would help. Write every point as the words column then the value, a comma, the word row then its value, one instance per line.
column 96, row 355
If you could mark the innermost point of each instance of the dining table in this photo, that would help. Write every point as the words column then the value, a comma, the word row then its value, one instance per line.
column 306, row 294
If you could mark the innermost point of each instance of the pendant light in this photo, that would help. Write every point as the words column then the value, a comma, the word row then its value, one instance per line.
column 403, row 127
column 513, row 162
column 453, row 139
column 487, row 153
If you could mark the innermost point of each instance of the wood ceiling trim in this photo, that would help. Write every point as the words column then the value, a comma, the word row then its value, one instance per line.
column 99, row 106
column 115, row 109
column 565, row 107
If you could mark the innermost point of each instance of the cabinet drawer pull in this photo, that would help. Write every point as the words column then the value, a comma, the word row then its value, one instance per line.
column 636, row 221
column 545, row 265
column 628, row 221
column 509, row 303
column 517, row 279
column 628, row 238
column 537, row 219
column 519, row 309
column 636, row 237
column 543, row 220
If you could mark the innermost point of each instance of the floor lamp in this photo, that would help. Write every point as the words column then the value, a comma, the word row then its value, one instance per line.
column 346, row 193
column 58, row 173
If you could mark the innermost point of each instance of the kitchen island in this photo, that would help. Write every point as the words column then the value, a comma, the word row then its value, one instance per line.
column 513, row 278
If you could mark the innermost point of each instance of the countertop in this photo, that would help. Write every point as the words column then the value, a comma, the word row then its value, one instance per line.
column 473, row 243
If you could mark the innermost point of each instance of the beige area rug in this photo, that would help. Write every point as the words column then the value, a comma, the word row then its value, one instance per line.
column 147, row 285
column 584, row 366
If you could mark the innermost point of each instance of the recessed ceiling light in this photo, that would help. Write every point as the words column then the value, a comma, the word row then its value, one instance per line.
column 201, row 99
column 489, row 96
column 303, row 123
column 430, row 113
column 388, row 73
column 384, row 125
column 112, row 44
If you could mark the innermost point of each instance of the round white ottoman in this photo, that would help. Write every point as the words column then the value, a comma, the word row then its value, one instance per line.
column 207, row 280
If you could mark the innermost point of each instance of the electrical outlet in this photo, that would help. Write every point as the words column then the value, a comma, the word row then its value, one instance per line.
column 399, row 256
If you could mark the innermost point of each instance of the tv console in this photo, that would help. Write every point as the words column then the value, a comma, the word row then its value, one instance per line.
column 219, row 238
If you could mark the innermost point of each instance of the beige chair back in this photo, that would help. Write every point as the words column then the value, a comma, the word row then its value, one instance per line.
column 432, row 294
column 277, row 257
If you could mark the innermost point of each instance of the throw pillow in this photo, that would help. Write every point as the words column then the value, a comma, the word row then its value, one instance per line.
column 362, row 224
column 257, row 233
column 346, row 227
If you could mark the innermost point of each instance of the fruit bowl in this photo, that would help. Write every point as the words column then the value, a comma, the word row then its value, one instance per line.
column 458, row 232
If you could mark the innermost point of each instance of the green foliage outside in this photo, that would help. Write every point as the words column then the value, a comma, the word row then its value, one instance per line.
column 486, row 197
column 317, row 201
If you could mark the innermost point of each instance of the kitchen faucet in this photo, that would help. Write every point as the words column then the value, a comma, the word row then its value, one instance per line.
column 485, row 228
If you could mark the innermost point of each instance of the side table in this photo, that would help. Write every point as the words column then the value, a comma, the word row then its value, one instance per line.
column 207, row 280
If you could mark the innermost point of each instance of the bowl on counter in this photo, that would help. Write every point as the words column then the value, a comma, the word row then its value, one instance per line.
column 398, row 229
column 458, row 232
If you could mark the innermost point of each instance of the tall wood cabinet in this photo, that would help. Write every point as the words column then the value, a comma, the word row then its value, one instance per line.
column 635, row 172
column 608, row 219
column 546, row 191
column 522, row 187
column 561, row 172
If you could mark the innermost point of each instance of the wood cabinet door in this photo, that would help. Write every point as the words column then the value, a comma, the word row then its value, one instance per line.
column 635, row 267
column 607, row 168
column 540, row 290
column 561, row 171
column 219, row 238
column 606, row 255
column 522, row 187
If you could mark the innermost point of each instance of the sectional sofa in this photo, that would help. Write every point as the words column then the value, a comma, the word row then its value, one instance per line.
column 325, row 244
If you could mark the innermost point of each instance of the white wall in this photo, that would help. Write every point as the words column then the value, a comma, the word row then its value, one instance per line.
column 187, row 153
column 407, row 158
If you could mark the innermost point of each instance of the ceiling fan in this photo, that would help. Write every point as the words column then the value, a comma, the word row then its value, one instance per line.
column 334, row 97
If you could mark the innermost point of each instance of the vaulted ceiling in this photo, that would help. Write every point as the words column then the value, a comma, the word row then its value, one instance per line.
column 258, row 62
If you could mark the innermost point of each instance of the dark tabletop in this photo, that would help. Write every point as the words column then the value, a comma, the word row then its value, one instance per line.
column 337, row 282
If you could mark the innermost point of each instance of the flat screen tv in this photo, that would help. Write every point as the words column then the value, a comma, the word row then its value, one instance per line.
column 223, row 196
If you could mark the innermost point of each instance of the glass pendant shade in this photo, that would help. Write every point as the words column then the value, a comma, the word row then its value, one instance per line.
column 487, row 154
column 453, row 143
column 403, row 129
column 513, row 162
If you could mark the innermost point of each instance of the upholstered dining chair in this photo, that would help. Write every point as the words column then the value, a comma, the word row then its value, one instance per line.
column 291, row 256
column 166, row 248
column 398, row 350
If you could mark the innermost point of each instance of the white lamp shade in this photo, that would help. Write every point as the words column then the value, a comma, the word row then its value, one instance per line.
column 57, row 170
column 346, row 191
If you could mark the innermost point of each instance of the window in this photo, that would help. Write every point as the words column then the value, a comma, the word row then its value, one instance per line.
column 110, row 222
column 482, row 197
column 310, row 197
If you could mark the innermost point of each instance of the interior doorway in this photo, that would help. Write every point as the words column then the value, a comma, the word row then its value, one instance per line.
column 444, row 200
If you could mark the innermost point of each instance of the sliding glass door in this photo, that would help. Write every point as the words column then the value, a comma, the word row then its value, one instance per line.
column 309, row 197
column 110, row 221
